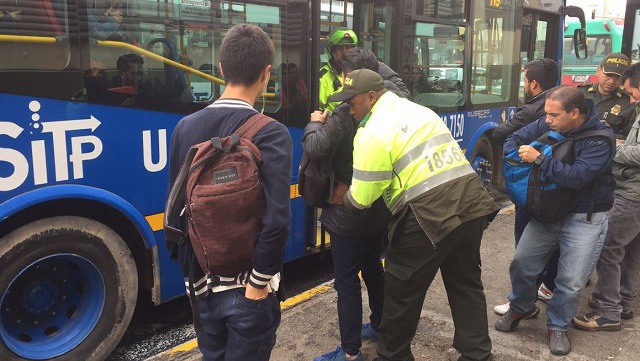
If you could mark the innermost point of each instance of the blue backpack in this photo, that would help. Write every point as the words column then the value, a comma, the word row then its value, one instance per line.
column 546, row 200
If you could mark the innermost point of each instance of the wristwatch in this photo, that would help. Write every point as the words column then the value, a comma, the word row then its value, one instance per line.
column 539, row 159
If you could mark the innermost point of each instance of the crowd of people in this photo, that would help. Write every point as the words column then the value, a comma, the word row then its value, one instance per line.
column 402, row 182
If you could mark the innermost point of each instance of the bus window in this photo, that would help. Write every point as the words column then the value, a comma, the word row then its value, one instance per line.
column 40, row 36
column 492, row 57
column 438, row 66
column 176, row 49
column 450, row 10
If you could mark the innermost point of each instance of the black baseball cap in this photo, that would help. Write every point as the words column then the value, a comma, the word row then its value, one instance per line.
column 358, row 82
column 615, row 63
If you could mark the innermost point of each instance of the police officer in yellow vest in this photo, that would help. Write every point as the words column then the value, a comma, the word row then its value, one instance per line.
column 405, row 153
column 612, row 104
column 338, row 42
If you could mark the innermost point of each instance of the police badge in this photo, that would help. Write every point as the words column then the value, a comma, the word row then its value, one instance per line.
column 615, row 110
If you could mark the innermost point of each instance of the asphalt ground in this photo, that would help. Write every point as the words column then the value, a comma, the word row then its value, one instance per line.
column 309, row 325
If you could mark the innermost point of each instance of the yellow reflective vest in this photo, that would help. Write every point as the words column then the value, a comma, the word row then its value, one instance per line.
column 330, row 84
column 401, row 151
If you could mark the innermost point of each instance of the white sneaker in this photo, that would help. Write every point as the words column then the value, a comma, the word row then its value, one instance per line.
column 544, row 294
column 501, row 309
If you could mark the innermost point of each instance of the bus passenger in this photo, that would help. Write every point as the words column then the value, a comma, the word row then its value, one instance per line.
column 356, row 236
column 540, row 76
column 419, row 82
column 612, row 103
column 240, row 314
column 439, row 210
column 338, row 42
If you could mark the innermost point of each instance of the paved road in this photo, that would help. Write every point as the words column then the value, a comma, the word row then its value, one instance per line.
column 310, row 328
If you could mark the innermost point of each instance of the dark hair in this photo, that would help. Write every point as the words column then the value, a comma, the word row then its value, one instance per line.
column 359, row 58
column 633, row 74
column 544, row 71
column 126, row 60
column 245, row 51
column 569, row 97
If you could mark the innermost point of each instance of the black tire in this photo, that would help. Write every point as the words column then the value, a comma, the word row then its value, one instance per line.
column 482, row 157
column 72, row 247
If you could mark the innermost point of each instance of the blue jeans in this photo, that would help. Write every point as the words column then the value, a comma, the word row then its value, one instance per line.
column 350, row 256
column 579, row 241
column 235, row 328
column 548, row 276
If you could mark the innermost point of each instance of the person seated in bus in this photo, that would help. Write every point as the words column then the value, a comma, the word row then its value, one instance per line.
column 338, row 41
column 128, row 87
column 419, row 82
column 294, row 96
column 612, row 103
column 406, row 75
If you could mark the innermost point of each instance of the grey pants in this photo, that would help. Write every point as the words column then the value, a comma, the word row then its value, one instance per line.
column 619, row 263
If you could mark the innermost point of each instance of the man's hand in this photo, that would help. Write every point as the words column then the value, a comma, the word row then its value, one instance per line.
column 319, row 116
column 255, row 294
column 528, row 153
column 339, row 189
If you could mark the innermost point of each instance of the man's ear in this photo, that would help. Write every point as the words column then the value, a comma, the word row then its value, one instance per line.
column 221, row 70
column 266, row 74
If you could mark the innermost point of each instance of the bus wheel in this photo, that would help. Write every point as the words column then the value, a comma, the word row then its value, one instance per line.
column 482, row 159
column 68, row 288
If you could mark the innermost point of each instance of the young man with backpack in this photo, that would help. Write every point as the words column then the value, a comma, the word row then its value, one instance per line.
column 619, row 263
column 237, row 313
column 356, row 235
column 580, row 234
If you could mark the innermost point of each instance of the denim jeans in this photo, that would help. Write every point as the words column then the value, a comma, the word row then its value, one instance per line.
column 579, row 241
column 235, row 328
column 548, row 276
column 619, row 264
column 350, row 256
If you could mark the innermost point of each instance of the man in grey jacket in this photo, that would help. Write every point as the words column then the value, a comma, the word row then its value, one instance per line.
column 619, row 263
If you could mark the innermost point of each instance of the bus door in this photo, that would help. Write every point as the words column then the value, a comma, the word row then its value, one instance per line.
column 539, row 39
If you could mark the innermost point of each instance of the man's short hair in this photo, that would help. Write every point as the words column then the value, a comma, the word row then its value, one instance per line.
column 245, row 51
column 359, row 58
column 544, row 71
column 633, row 74
column 569, row 97
column 125, row 61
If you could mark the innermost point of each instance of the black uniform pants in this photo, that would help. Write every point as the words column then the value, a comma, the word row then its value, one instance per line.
column 412, row 262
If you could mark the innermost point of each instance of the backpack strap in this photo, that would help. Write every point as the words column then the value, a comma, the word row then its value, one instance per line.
column 253, row 125
column 176, row 201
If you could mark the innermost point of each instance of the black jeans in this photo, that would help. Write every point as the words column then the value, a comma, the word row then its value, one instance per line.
column 412, row 262
column 350, row 256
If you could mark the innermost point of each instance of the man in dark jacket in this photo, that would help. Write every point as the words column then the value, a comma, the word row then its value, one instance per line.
column 240, row 314
column 580, row 235
column 356, row 236
column 540, row 75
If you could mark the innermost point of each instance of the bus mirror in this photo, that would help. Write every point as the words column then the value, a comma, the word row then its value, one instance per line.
column 580, row 43
column 576, row 12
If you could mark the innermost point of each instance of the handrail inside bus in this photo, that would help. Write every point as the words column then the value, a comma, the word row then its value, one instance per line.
column 6, row 38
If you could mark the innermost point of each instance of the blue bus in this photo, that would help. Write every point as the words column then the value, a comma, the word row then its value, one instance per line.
column 90, row 92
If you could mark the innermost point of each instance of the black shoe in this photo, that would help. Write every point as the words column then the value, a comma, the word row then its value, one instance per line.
column 510, row 320
column 625, row 315
column 559, row 343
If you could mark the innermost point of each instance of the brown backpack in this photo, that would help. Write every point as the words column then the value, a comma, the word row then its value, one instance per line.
column 220, row 191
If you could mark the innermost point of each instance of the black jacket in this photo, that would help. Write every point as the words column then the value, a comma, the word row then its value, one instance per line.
column 531, row 111
column 334, row 139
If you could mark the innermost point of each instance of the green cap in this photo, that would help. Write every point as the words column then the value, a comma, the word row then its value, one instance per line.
column 358, row 82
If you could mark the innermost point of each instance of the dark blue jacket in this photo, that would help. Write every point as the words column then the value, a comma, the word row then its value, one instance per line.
column 593, row 162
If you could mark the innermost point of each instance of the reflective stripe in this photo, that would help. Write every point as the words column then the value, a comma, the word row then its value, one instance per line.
column 430, row 183
column 372, row 175
column 419, row 150
column 353, row 201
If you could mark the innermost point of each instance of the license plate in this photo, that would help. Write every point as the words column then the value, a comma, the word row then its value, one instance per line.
column 579, row 78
